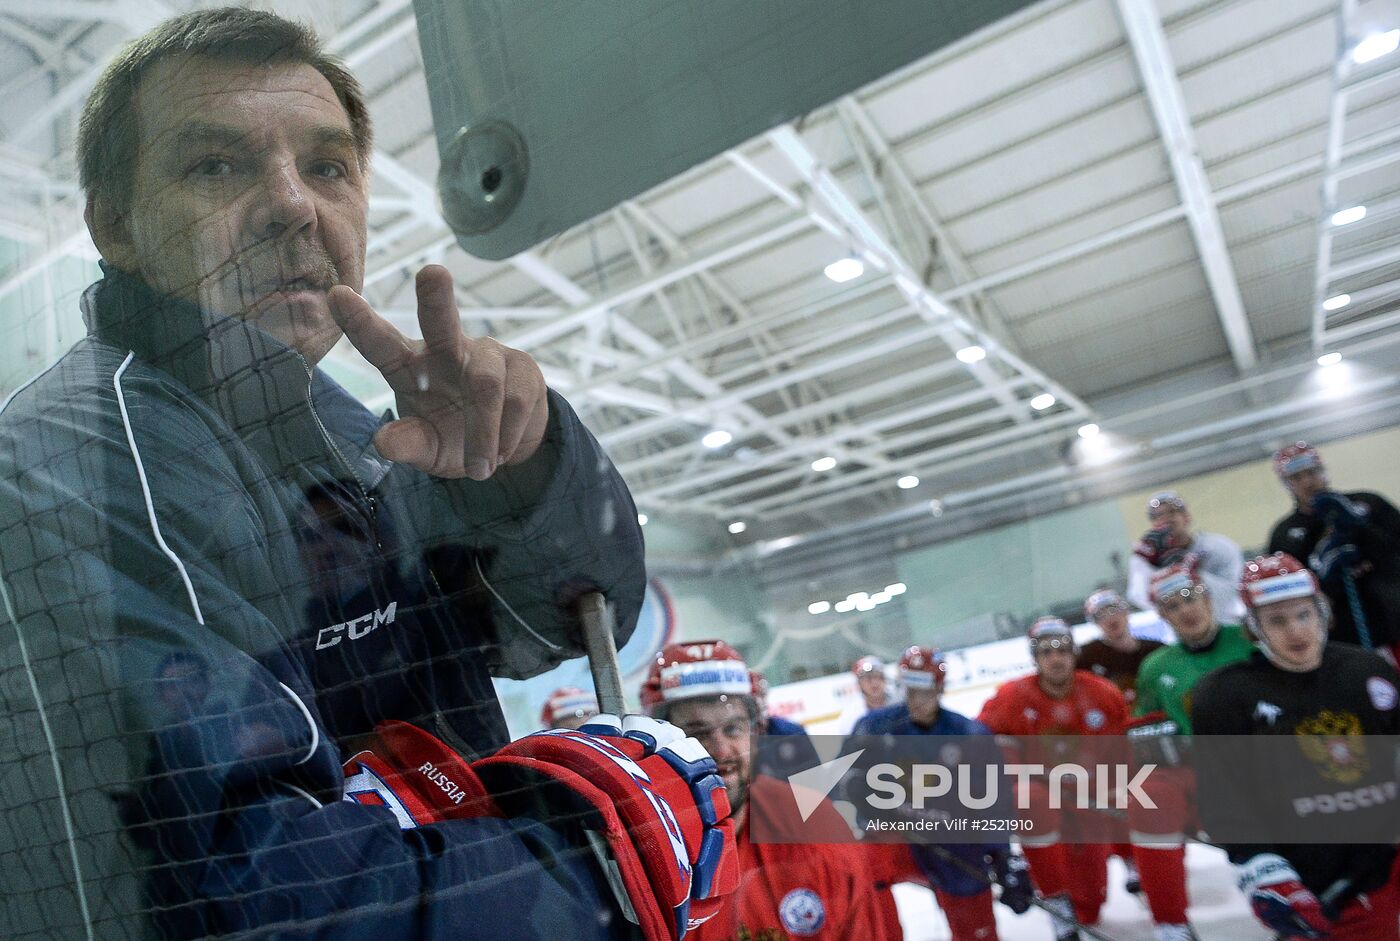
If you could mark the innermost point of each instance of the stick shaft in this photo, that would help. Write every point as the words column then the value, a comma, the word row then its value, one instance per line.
column 597, row 620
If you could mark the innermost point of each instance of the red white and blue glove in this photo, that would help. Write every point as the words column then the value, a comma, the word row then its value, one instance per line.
column 1160, row 548
column 1280, row 900
column 650, row 802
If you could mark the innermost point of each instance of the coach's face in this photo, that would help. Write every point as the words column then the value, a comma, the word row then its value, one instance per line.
column 249, row 198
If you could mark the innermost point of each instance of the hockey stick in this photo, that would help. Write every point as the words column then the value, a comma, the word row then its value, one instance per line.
column 1041, row 904
column 1358, row 616
column 602, row 652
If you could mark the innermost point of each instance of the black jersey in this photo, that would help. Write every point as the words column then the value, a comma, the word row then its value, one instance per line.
column 1119, row 667
column 1377, row 585
column 1353, row 693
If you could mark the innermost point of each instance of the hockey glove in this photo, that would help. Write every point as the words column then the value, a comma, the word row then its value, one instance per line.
column 1160, row 548
column 1155, row 740
column 1013, row 874
column 648, row 799
column 1279, row 898
column 649, row 802
column 417, row 777
column 1333, row 559
column 1344, row 515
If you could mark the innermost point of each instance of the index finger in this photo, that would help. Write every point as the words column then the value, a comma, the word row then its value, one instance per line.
column 379, row 341
column 438, row 316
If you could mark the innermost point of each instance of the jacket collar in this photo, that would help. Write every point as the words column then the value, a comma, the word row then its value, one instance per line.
column 261, row 387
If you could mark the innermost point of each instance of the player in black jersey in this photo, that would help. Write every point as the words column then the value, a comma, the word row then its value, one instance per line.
column 1351, row 541
column 1336, row 696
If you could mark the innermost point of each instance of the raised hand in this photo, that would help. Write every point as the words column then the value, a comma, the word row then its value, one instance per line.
column 466, row 405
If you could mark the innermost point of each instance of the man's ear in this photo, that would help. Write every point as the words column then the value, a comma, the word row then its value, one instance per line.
column 111, row 232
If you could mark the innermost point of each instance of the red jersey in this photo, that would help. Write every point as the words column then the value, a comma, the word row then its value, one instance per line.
column 824, row 891
column 1094, row 706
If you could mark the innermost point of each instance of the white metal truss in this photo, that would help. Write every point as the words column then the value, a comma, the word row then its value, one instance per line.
column 1143, row 25
column 1369, row 308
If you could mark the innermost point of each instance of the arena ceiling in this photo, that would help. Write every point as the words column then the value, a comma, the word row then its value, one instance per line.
column 1110, row 213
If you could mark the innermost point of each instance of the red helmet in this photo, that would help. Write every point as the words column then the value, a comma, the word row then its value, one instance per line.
column 867, row 664
column 922, row 668
column 651, row 692
column 1276, row 577
column 1052, row 632
column 568, row 702
column 1296, row 458
column 702, row 668
column 1103, row 600
column 758, row 685
column 1178, row 579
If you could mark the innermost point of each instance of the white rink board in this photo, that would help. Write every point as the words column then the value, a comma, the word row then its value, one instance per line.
column 973, row 675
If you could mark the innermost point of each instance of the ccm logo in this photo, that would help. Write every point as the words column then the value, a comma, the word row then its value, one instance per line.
column 357, row 628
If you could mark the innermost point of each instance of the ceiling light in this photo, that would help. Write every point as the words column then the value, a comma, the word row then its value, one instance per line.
column 1335, row 379
column 1043, row 401
column 866, row 604
column 842, row 607
column 971, row 354
column 1376, row 45
column 935, row 507
column 737, row 527
column 716, row 439
column 845, row 269
column 642, row 519
column 880, row 597
column 907, row 482
column 1329, row 359
column 898, row 588
column 1336, row 302
column 1348, row 216
column 856, row 597
column 819, row 607
column 1088, row 431
column 822, row 464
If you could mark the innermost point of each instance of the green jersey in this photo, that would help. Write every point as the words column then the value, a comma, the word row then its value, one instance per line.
column 1167, row 676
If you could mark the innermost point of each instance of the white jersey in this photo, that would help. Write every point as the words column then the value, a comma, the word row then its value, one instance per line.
column 1221, row 564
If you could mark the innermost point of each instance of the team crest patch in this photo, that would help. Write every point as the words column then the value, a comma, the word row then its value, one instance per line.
column 1094, row 719
column 1336, row 744
column 1382, row 693
column 802, row 912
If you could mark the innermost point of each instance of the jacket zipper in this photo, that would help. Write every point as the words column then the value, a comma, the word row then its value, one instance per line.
column 370, row 502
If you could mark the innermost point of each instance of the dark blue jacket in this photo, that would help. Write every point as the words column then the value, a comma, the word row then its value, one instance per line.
column 937, row 863
column 213, row 586
column 894, row 720
column 777, row 725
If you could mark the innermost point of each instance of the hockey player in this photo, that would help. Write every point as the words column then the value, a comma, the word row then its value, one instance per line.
column 1117, row 655
column 1165, row 684
column 568, row 708
column 1350, row 540
column 1300, row 684
column 874, row 692
column 1059, row 700
column 1169, row 541
column 809, row 890
column 952, row 870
